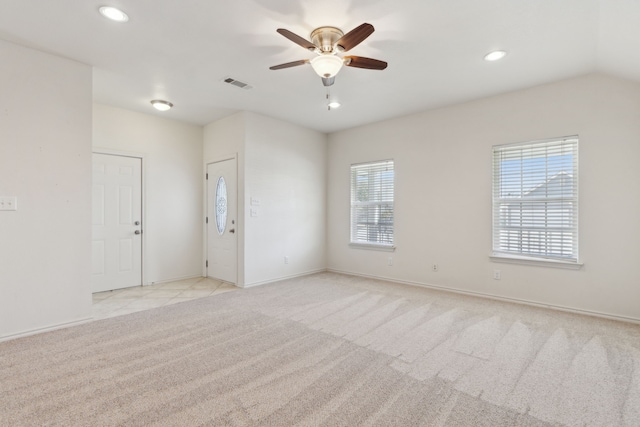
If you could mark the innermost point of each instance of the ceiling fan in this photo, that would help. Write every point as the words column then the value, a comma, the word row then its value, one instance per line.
column 328, row 42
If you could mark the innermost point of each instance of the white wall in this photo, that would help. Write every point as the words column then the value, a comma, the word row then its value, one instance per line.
column 286, row 170
column 45, row 160
column 284, row 166
column 443, row 194
column 172, row 174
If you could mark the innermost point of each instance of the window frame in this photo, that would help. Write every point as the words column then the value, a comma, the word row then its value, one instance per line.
column 382, row 202
column 558, row 203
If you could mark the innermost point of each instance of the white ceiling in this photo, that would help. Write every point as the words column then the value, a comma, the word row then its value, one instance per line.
column 182, row 50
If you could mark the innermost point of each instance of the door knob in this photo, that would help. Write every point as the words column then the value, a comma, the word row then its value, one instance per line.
column 137, row 232
column 233, row 230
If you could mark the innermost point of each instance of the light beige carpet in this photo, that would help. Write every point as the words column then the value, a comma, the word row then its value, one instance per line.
column 329, row 350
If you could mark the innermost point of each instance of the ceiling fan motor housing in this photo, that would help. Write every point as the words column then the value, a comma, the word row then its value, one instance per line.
column 326, row 37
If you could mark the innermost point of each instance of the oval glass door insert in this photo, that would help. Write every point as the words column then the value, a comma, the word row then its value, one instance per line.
column 221, row 205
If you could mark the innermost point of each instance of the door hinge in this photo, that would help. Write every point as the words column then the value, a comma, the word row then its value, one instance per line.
column 207, row 176
column 207, row 263
column 207, row 220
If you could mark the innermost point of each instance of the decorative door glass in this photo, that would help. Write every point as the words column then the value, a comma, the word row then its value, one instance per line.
column 221, row 205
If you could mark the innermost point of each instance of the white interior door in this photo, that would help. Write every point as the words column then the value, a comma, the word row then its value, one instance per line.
column 117, row 217
column 222, row 224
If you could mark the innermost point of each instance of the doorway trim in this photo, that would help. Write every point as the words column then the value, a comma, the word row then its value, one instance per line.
column 143, row 201
column 239, row 215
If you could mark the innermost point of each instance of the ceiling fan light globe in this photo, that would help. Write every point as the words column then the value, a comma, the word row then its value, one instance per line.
column 326, row 66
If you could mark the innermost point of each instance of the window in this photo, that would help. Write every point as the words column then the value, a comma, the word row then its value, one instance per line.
column 535, row 199
column 372, row 203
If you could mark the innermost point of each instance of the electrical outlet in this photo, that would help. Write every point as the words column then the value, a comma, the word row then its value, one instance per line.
column 286, row 260
column 434, row 267
column 497, row 274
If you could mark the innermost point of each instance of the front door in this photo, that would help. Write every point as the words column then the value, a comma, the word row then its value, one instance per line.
column 222, row 224
column 117, row 216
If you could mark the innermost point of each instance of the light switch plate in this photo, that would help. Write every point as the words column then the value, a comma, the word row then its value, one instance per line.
column 8, row 203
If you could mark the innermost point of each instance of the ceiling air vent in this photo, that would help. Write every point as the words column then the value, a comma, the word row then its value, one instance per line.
column 237, row 83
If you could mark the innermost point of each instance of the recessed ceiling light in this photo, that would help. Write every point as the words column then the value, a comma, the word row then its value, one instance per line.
column 495, row 55
column 334, row 104
column 161, row 105
column 113, row 14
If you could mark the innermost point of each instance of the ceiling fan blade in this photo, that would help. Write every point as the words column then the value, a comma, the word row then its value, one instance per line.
column 289, row 64
column 355, row 37
column 362, row 62
column 297, row 39
column 328, row 81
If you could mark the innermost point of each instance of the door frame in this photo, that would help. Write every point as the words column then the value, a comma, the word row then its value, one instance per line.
column 143, row 201
column 239, row 216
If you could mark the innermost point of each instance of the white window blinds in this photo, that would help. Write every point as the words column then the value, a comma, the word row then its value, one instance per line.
column 535, row 199
column 372, row 203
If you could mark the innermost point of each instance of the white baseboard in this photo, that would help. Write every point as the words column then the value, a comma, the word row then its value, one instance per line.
column 497, row 297
column 45, row 329
column 278, row 279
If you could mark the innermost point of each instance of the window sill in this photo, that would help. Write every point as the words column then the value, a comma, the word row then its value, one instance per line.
column 372, row 247
column 513, row 259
